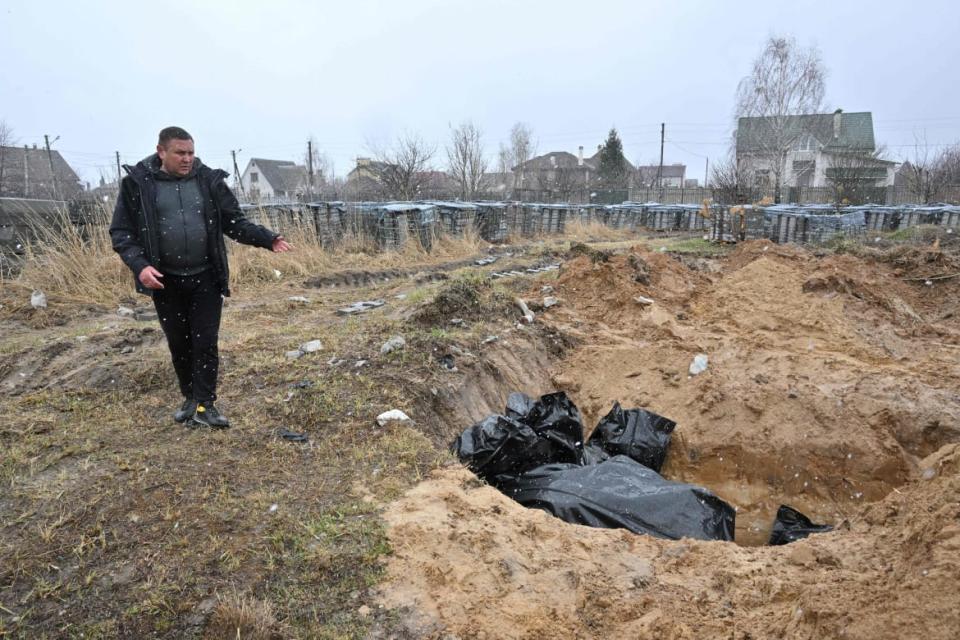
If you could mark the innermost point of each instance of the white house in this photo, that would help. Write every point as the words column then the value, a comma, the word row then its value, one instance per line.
column 274, row 180
column 821, row 147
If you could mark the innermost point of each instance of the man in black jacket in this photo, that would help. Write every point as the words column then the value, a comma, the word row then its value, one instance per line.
column 168, row 227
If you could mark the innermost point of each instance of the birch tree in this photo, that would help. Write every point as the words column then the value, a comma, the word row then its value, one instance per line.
column 467, row 163
column 786, row 81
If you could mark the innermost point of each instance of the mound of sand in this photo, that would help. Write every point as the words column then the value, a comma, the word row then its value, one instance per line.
column 470, row 562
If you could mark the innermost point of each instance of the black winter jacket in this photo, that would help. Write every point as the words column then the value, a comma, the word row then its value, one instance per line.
column 134, row 232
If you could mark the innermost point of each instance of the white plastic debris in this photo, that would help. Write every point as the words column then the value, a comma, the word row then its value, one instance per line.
column 525, row 310
column 394, row 415
column 699, row 364
column 273, row 507
column 490, row 339
column 294, row 355
column 125, row 312
column 302, row 299
column 642, row 300
column 38, row 300
column 550, row 301
column 393, row 344
column 310, row 347
column 277, row 274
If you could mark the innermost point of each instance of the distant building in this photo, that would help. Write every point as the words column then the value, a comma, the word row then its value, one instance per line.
column 274, row 181
column 26, row 173
column 364, row 182
column 691, row 183
column 822, row 146
column 651, row 176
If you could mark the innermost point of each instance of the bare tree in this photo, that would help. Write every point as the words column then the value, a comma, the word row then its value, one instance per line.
column 467, row 163
column 403, row 171
column 930, row 172
column 853, row 176
column 786, row 81
column 6, row 140
column 522, row 148
column 732, row 183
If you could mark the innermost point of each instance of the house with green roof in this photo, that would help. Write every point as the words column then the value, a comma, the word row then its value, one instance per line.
column 817, row 149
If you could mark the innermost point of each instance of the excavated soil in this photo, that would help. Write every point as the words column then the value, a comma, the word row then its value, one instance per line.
column 832, row 386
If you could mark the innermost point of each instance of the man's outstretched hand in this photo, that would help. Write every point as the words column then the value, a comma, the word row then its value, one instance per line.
column 150, row 278
column 280, row 245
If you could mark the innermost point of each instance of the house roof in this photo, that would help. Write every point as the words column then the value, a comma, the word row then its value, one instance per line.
column 855, row 134
column 283, row 175
column 39, row 176
column 649, row 172
column 552, row 160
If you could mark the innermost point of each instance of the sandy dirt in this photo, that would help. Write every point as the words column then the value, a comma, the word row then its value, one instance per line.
column 831, row 386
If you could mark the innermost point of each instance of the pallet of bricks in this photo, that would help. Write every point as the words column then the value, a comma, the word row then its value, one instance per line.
column 455, row 218
column 331, row 222
column 810, row 223
column 491, row 220
column 622, row 216
column 879, row 218
column 534, row 219
column 396, row 224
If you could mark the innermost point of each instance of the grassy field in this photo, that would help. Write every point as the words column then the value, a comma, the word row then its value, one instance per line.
column 118, row 522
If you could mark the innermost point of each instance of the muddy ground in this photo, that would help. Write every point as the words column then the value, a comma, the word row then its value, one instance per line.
column 831, row 386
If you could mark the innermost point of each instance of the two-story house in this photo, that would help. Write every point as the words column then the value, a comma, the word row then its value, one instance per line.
column 816, row 149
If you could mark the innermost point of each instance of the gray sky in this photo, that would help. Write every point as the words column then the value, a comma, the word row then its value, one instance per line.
column 264, row 76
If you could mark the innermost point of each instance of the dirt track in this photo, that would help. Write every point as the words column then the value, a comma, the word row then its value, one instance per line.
column 829, row 380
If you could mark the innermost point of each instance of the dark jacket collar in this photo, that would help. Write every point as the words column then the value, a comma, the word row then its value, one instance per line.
column 151, row 164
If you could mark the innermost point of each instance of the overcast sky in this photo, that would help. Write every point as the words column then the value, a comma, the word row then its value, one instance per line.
column 263, row 76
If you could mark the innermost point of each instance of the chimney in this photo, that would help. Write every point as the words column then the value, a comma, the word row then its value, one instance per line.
column 837, row 115
column 580, row 157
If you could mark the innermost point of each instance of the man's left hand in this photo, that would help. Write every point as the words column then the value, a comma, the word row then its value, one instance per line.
column 280, row 245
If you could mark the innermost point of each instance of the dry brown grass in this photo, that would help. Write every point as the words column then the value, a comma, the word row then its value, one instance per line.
column 593, row 230
column 238, row 616
column 74, row 263
column 78, row 266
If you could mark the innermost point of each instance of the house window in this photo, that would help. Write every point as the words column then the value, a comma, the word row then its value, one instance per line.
column 254, row 177
column 807, row 143
column 763, row 177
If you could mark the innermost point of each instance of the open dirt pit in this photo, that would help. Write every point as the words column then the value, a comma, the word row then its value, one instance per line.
column 832, row 386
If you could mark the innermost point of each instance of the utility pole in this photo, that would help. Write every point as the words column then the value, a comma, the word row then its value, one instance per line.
column 236, row 171
column 53, row 173
column 310, row 169
column 706, row 173
column 26, row 173
column 119, row 175
column 663, row 128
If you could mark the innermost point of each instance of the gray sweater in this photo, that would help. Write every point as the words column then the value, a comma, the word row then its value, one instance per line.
column 183, row 233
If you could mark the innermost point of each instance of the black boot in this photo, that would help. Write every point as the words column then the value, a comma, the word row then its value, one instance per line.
column 186, row 411
column 207, row 414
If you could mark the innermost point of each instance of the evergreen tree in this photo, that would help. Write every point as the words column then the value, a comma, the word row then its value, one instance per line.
column 613, row 165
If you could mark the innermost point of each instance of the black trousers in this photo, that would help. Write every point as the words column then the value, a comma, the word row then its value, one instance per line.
column 189, row 308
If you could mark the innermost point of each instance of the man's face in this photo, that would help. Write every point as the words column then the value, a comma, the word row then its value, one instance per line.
column 176, row 157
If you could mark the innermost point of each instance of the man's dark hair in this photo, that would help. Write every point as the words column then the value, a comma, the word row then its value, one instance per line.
column 173, row 133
